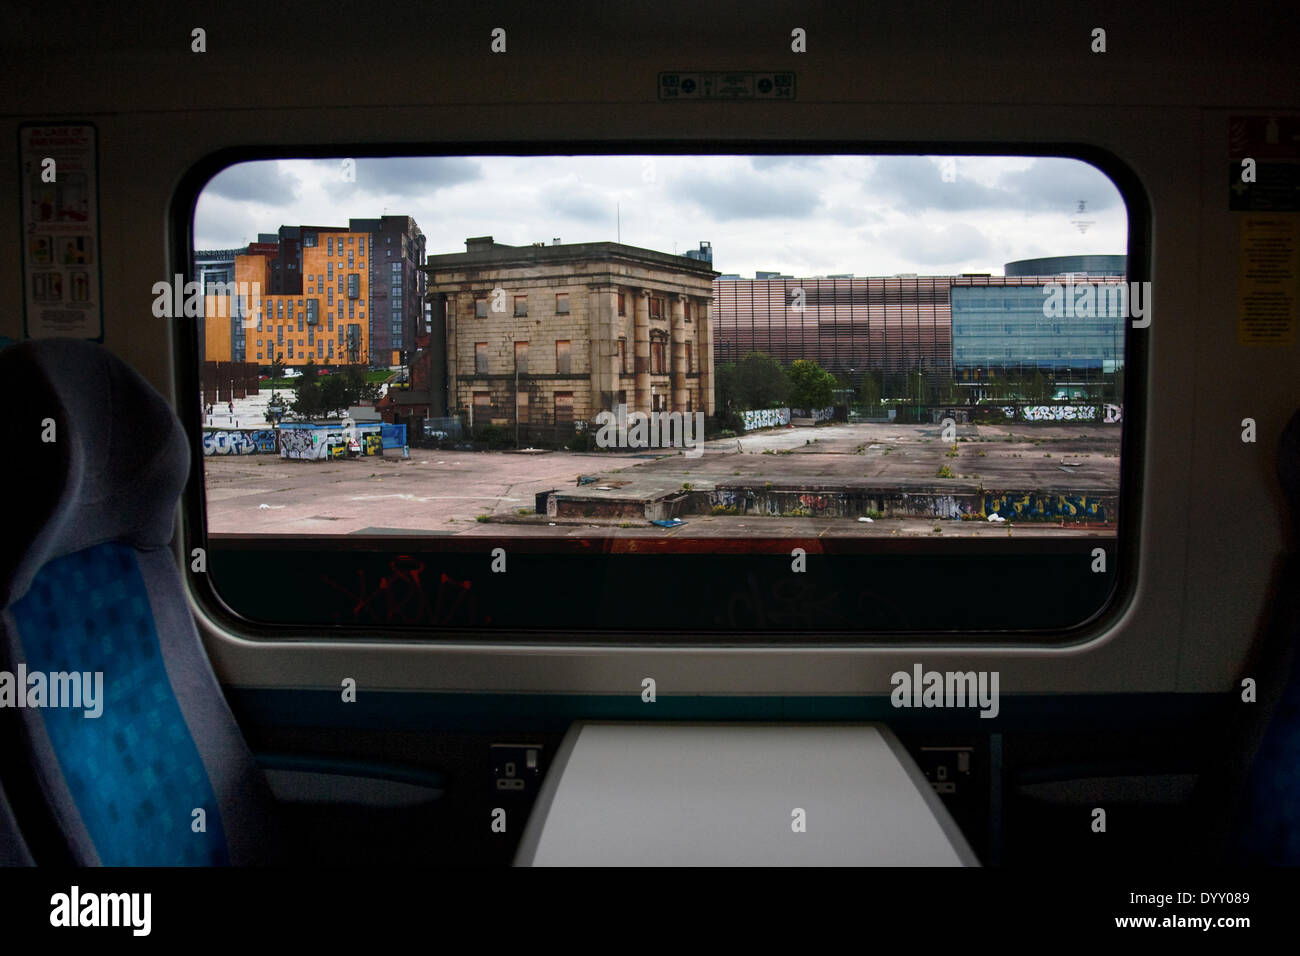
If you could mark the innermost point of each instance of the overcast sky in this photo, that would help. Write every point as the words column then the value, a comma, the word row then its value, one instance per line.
column 799, row 215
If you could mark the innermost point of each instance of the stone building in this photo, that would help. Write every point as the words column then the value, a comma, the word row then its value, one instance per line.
column 548, row 335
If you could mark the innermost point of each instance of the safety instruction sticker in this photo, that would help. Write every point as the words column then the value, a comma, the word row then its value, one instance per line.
column 1268, row 284
column 60, row 231
column 1264, row 163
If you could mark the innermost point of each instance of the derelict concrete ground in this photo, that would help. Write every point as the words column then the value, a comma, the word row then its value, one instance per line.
column 493, row 493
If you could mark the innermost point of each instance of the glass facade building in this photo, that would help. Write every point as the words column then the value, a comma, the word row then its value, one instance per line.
column 895, row 325
column 1002, row 330
column 971, row 330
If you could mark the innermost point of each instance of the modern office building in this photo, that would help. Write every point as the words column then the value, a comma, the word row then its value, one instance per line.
column 1068, row 265
column 548, row 335
column 702, row 254
column 396, row 286
column 1001, row 330
column 971, row 329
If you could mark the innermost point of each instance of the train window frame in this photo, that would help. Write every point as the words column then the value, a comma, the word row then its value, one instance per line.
column 1125, row 548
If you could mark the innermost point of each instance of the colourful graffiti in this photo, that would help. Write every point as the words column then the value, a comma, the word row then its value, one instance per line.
column 765, row 418
column 814, row 502
column 400, row 597
column 1113, row 414
column 1033, row 506
column 816, row 414
column 303, row 444
column 1058, row 413
column 239, row 442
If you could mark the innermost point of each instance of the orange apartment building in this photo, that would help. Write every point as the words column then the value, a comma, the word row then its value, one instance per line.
column 325, row 323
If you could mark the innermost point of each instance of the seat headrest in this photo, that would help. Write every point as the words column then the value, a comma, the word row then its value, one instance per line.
column 113, row 471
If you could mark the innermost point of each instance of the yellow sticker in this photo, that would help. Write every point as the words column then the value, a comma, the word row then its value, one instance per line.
column 1268, row 286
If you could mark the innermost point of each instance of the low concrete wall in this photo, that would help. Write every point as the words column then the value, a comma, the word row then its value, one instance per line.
column 967, row 504
column 827, row 501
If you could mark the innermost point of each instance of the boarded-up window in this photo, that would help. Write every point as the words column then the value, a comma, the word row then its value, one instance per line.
column 562, row 357
column 622, row 356
column 657, row 357
column 561, row 302
column 688, row 357
column 521, row 357
column 521, row 305
column 622, row 304
column 480, row 306
column 563, row 408
column 656, row 307
column 480, row 358
column 482, row 407
column 521, row 405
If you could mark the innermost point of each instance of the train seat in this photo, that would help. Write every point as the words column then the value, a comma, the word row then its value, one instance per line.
column 117, row 746
column 1269, row 810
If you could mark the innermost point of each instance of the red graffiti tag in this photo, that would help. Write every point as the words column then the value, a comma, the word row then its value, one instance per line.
column 399, row 597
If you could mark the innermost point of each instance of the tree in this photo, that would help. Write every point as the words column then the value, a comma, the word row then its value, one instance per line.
column 335, row 396
column 320, row 395
column 811, row 386
column 869, row 391
column 276, row 370
column 1038, row 388
column 307, row 403
column 357, row 386
column 724, row 385
column 759, row 382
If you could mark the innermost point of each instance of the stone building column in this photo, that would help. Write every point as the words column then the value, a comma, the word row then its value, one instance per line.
column 704, row 318
column 602, row 324
column 680, row 396
column 453, row 354
column 641, row 333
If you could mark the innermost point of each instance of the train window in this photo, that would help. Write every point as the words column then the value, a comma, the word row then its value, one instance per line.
column 899, row 402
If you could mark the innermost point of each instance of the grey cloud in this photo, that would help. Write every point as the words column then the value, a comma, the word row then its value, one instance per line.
column 577, row 202
column 763, row 163
column 950, row 245
column 260, row 182
column 747, row 196
column 915, row 182
column 1060, row 185
column 407, row 176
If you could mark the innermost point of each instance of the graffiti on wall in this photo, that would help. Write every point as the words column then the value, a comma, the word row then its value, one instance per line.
column 1113, row 414
column 765, row 418
column 816, row 414
column 402, row 595
column 249, row 442
column 1058, row 413
column 303, row 443
column 1033, row 506
column 814, row 503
